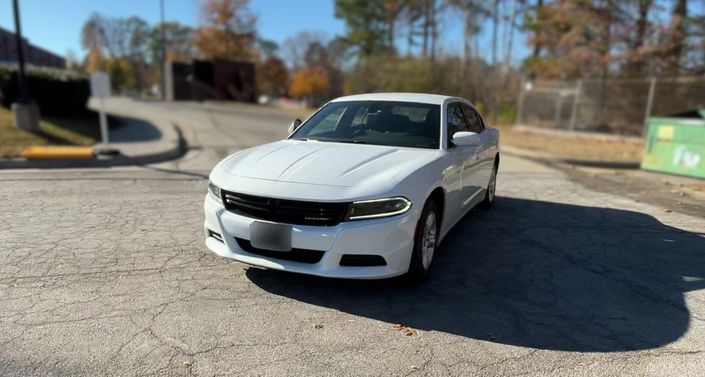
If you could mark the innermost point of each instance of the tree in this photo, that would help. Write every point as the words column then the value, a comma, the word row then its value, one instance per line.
column 227, row 31
column 294, row 48
column 575, row 38
column 676, row 36
column 393, row 9
column 309, row 83
column 118, row 46
column 636, row 50
column 366, row 25
column 319, row 56
column 473, row 11
column 272, row 76
column 94, row 33
column 267, row 47
column 178, row 38
column 95, row 61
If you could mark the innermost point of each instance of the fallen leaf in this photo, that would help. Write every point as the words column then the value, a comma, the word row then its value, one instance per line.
column 407, row 331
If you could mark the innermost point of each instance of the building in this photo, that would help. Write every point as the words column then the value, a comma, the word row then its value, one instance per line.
column 33, row 55
column 210, row 80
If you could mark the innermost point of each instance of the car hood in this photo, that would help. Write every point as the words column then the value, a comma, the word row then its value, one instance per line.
column 324, row 163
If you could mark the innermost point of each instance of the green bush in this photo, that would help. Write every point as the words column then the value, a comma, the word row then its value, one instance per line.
column 56, row 92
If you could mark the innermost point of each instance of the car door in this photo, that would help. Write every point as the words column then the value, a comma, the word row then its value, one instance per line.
column 462, row 157
column 484, row 156
column 469, row 177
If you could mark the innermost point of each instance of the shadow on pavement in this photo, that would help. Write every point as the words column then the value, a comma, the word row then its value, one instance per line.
column 130, row 130
column 535, row 274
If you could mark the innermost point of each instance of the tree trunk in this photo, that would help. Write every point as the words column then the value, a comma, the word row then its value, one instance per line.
column 678, row 22
column 495, row 22
column 537, row 37
column 638, row 58
column 426, row 26
column 510, row 37
column 434, row 31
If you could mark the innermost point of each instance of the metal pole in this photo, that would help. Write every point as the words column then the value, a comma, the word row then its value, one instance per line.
column 520, row 107
column 24, row 91
column 163, row 43
column 649, row 104
column 576, row 99
column 559, row 107
column 103, row 122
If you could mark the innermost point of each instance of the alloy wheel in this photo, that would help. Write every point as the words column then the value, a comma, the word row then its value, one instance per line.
column 428, row 240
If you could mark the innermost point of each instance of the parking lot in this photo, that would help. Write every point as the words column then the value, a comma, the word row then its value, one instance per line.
column 104, row 271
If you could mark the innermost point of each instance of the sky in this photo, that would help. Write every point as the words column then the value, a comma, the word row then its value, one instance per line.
column 56, row 24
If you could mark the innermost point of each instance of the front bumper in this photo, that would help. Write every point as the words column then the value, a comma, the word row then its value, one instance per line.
column 390, row 238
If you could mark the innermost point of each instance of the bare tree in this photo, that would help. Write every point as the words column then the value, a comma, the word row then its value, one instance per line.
column 294, row 48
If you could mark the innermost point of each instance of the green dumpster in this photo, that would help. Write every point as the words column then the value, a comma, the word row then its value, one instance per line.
column 676, row 144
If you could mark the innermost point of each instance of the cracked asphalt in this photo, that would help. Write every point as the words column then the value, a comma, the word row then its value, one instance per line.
column 104, row 272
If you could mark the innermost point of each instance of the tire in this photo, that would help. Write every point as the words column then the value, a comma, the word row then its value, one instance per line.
column 491, row 187
column 425, row 242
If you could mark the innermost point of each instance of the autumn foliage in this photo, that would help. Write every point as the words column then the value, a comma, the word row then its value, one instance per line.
column 309, row 82
column 272, row 76
column 227, row 31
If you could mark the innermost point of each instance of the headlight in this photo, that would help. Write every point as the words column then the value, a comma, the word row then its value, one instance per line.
column 372, row 209
column 214, row 191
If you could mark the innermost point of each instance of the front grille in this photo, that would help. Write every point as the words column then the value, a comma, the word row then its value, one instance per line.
column 362, row 260
column 295, row 255
column 285, row 211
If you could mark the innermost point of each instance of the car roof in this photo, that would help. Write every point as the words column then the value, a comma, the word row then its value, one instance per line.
column 401, row 97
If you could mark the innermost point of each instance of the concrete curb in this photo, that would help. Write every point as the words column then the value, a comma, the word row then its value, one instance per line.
column 172, row 145
column 551, row 159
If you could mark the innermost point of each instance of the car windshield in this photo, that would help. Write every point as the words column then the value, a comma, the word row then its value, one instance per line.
column 402, row 124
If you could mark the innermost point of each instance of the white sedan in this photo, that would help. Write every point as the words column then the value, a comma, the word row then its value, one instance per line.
column 367, row 187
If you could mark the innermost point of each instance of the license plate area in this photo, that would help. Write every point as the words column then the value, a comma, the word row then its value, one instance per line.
column 269, row 236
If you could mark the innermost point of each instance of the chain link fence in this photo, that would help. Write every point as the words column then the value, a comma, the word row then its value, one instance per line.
column 615, row 106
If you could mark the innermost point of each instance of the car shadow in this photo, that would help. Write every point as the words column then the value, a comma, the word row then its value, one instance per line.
column 535, row 274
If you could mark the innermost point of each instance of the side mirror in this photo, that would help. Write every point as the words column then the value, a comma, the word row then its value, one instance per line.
column 466, row 139
column 294, row 125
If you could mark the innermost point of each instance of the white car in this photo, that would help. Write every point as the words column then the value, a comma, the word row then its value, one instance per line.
column 367, row 187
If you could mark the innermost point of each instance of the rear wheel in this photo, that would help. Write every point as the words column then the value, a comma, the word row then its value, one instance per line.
column 425, row 242
column 491, row 186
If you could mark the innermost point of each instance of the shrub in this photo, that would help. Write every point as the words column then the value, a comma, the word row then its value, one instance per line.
column 56, row 92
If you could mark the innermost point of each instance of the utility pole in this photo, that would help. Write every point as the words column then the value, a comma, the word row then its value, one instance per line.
column 163, row 43
column 22, row 79
column 26, row 114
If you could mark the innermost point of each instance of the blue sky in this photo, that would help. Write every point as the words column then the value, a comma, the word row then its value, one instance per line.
column 56, row 24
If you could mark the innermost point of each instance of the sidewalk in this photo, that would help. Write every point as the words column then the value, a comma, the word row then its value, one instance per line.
column 671, row 193
column 141, row 137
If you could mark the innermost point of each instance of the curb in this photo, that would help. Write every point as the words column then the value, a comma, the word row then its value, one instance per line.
column 554, row 159
column 99, row 162
column 177, row 147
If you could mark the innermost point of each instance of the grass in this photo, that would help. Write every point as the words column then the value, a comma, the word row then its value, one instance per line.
column 80, row 130
column 574, row 145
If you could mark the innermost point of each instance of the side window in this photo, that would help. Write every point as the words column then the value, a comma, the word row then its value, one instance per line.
column 455, row 119
column 474, row 122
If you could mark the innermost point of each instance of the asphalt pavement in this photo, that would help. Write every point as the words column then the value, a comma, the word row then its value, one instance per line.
column 104, row 272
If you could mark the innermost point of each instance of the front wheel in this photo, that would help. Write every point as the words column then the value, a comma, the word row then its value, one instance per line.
column 491, row 186
column 425, row 242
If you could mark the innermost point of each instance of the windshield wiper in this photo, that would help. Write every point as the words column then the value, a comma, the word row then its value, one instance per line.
column 300, row 138
column 351, row 141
